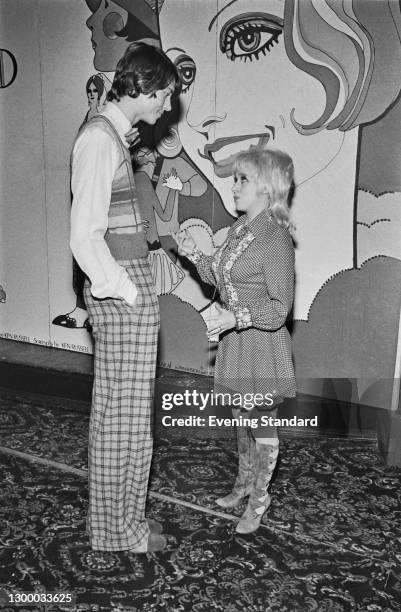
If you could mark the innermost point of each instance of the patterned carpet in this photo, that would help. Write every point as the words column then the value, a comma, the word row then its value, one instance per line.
column 331, row 540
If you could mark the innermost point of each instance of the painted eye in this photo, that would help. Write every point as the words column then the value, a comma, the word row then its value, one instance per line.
column 247, row 36
column 187, row 69
column 112, row 23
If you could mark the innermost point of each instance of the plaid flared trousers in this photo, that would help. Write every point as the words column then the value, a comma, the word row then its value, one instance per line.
column 120, row 437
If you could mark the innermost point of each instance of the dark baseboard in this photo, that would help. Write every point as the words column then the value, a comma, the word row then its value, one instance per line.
column 46, row 381
column 335, row 418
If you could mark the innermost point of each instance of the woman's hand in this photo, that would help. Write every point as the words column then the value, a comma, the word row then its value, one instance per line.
column 186, row 244
column 221, row 322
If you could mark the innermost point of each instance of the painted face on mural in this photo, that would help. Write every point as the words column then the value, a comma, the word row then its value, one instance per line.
column 145, row 159
column 107, row 19
column 258, row 88
column 92, row 93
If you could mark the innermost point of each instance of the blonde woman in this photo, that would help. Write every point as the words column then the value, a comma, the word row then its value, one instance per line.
column 253, row 272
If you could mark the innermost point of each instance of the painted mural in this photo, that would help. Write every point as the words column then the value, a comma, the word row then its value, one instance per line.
column 319, row 79
column 306, row 77
column 173, row 192
column 8, row 74
column 96, row 88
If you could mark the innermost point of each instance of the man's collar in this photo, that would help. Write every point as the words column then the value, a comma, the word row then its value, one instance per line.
column 118, row 119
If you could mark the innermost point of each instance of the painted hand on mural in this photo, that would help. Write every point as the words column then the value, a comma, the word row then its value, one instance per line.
column 172, row 180
column 186, row 244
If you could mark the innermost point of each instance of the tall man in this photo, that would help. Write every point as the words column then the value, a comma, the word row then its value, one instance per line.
column 108, row 241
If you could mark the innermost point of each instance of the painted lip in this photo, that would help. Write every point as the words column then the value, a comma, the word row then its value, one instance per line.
column 222, row 168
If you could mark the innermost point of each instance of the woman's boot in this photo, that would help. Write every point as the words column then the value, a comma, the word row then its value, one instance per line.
column 259, row 499
column 246, row 469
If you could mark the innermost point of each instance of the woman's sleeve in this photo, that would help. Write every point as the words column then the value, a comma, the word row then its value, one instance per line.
column 203, row 265
column 270, row 313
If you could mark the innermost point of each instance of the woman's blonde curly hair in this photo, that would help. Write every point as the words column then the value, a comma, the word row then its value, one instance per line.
column 274, row 172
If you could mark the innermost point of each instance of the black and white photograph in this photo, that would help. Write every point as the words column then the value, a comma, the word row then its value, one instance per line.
column 200, row 305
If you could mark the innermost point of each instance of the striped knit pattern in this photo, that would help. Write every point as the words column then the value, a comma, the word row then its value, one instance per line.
column 124, row 209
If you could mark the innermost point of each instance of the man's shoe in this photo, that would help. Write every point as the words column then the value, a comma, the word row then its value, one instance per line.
column 154, row 526
column 155, row 543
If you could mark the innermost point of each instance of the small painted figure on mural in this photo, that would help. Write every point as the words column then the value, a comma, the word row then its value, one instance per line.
column 97, row 87
column 162, row 176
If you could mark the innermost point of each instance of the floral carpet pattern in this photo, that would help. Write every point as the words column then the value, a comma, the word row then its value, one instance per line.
column 330, row 541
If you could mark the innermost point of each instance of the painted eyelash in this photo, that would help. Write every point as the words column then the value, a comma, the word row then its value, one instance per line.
column 229, row 35
column 185, row 88
column 190, row 65
column 255, row 54
column 242, row 28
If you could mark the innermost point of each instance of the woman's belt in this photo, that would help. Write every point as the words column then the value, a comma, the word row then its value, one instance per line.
column 127, row 246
